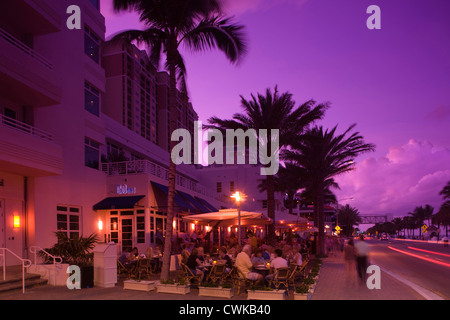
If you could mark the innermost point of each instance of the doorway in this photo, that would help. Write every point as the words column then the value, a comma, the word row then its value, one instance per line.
column 122, row 232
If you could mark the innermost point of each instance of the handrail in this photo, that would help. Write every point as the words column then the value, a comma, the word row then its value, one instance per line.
column 26, row 263
column 36, row 249
column 26, row 128
column 25, row 49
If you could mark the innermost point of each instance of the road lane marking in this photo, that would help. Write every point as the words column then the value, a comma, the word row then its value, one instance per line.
column 427, row 294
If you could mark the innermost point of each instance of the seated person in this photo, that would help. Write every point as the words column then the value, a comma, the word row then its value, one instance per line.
column 297, row 259
column 193, row 263
column 225, row 258
column 185, row 254
column 277, row 262
column 201, row 254
column 258, row 259
column 244, row 265
column 127, row 259
column 149, row 252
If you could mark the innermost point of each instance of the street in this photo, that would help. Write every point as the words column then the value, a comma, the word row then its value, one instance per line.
column 424, row 264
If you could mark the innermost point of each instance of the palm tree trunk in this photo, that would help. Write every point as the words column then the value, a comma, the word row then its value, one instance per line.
column 271, row 209
column 165, row 270
column 319, row 203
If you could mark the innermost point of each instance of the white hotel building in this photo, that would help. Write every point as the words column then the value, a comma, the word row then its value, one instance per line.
column 55, row 139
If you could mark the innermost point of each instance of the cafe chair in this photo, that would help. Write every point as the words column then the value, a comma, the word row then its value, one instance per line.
column 121, row 269
column 217, row 273
column 189, row 275
column 280, row 278
column 145, row 267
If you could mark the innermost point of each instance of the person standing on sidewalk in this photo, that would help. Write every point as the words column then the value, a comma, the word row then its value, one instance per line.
column 362, row 254
column 350, row 260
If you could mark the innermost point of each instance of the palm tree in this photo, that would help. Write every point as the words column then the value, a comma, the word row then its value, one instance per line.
column 168, row 24
column 323, row 155
column 348, row 217
column 398, row 225
column 272, row 111
column 443, row 216
column 420, row 214
column 286, row 181
column 445, row 192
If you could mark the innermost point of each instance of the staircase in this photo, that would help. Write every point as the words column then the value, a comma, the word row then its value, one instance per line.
column 14, row 279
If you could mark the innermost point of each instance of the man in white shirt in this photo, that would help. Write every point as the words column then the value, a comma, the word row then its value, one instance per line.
column 244, row 265
column 362, row 254
column 277, row 262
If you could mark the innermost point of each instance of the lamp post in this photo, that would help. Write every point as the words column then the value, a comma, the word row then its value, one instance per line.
column 238, row 197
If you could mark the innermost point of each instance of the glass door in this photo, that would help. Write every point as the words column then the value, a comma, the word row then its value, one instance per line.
column 127, row 234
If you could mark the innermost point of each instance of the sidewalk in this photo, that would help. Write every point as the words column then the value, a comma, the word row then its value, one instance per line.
column 332, row 285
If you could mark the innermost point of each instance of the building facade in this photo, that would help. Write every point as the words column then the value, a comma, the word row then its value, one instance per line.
column 80, row 149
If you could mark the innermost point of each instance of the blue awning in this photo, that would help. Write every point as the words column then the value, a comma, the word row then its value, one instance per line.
column 207, row 204
column 194, row 202
column 179, row 201
column 118, row 203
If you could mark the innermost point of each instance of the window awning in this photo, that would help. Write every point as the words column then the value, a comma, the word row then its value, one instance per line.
column 206, row 203
column 179, row 201
column 112, row 203
column 195, row 202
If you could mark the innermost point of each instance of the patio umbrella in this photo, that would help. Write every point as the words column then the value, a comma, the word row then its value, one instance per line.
column 228, row 217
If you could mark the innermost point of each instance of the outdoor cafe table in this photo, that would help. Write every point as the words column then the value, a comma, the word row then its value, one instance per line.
column 262, row 269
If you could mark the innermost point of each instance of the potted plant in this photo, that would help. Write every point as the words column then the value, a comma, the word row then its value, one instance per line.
column 265, row 293
column 76, row 251
column 213, row 289
column 302, row 292
column 174, row 287
column 311, row 283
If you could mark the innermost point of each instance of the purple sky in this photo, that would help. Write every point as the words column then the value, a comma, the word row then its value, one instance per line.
column 394, row 83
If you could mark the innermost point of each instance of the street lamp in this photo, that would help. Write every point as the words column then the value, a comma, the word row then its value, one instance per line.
column 239, row 197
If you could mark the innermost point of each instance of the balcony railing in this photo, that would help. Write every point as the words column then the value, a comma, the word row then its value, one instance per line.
column 25, row 49
column 25, row 128
column 151, row 168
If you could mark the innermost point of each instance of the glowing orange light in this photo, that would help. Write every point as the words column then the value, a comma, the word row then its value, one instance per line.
column 16, row 221
column 100, row 225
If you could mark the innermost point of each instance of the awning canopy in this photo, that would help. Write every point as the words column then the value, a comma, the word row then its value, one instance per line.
column 228, row 217
column 207, row 204
column 195, row 202
column 179, row 201
column 118, row 203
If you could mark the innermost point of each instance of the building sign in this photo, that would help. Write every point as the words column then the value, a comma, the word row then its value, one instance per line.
column 124, row 189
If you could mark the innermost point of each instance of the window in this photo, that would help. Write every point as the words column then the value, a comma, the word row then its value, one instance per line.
column 91, row 99
column 91, row 45
column 91, row 154
column 264, row 204
column 232, row 186
column 68, row 220
column 140, row 229
column 219, row 187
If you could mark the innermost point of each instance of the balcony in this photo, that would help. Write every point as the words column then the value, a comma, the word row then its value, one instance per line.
column 27, row 150
column 154, row 170
column 26, row 77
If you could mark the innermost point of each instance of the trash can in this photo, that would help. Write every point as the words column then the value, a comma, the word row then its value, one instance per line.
column 105, row 265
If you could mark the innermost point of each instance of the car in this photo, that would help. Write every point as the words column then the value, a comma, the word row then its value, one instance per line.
column 384, row 237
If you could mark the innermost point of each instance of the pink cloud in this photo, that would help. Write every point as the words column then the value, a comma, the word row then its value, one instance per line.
column 408, row 176
column 236, row 7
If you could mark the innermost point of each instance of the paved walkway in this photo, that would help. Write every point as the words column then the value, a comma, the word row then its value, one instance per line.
column 333, row 285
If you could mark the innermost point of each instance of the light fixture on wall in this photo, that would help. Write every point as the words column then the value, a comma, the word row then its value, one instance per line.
column 16, row 221
column 100, row 225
